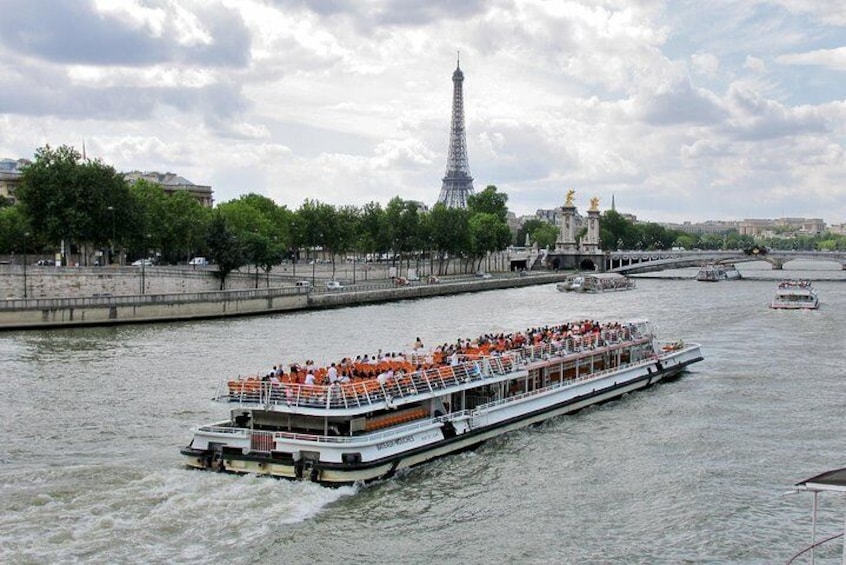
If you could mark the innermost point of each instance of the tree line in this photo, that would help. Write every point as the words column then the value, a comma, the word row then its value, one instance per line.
column 70, row 205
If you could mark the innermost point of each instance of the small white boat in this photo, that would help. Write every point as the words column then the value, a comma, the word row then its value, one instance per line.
column 716, row 272
column 596, row 282
column 795, row 295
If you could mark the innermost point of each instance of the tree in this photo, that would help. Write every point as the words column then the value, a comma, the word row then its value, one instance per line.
column 489, row 201
column 450, row 233
column 488, row 234
column 185, row 224
column 66, row 198
column 538, row 231
column 13, row 227
column 488, row 224
column 263, row 227
column 224, row 248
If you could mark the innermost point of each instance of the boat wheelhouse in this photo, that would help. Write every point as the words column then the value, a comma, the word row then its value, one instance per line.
column 596, row 282
column 795, row 295
column 716, row 272
column 424, row 406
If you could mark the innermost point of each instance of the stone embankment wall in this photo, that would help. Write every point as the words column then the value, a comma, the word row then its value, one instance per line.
column 80, row 282
column 37, row 313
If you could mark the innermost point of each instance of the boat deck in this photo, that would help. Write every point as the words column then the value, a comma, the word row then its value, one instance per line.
column 370, row 394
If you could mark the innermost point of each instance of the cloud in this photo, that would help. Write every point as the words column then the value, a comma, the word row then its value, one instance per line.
column 830, row 58
column 680, row 112
column 76, row 32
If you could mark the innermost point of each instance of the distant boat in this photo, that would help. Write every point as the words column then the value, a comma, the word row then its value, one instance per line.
column 795, row 295
column 596, row 282
column 716, row 272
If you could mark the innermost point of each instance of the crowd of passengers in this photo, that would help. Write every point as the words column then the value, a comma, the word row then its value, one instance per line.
column 388, row 366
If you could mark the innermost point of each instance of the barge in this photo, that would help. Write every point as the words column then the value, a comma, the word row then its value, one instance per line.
column 412, row 408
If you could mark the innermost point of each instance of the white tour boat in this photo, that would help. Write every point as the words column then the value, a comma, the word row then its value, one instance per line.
column 795, row 295
column 425, row 406
column 596, row 282
column 716, row 272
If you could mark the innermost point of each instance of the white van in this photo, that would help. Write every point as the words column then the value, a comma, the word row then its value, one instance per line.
column 198, row 261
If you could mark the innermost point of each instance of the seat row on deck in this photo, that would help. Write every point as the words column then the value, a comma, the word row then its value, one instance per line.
column 388, row 420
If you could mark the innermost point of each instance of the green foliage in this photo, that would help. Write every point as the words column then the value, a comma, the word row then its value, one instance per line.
column 67, row 198
column 224, row 248
column 13, row 229
column 488, row 234
column 539, row 231
column 489, row 201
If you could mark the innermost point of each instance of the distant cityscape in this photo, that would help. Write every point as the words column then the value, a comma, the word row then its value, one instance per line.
column 786, row 227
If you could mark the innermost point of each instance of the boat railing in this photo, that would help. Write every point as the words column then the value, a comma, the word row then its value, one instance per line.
column 812, row 547
column 569, row 382
column 371, row 392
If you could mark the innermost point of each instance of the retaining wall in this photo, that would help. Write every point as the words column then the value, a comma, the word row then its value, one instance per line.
column 40, row 313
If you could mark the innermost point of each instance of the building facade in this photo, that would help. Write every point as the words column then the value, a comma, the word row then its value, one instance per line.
column 171, row 182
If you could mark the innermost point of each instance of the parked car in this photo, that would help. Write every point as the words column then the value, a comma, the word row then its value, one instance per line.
column 198, row 261
column 334, row 285
column 304, row 284
column 483, row 275
column 45, row 262
column 144, row 262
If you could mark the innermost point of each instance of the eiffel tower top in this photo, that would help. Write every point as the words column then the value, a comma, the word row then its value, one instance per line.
column 457, row 182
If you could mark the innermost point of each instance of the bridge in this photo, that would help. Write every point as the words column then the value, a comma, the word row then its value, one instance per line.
column 633, row 262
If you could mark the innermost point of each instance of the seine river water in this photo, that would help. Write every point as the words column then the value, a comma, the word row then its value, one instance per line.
column 691, row 471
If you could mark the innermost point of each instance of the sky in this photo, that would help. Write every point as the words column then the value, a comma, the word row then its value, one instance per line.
column 678, row 110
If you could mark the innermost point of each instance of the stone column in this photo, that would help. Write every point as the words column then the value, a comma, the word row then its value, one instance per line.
column 590, row 243
column 566, row 229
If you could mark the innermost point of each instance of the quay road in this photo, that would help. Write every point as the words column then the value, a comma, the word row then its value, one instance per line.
column 42, row 313
column 633, row 262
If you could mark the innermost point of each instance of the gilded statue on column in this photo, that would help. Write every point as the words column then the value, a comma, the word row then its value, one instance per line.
column 594, row 204
column 570, row 194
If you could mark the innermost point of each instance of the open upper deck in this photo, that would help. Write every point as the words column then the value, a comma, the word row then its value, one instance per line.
column 367, row 395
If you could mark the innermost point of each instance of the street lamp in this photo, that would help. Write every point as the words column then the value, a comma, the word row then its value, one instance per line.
column 26, row 260
column 111, row 209
column 144, row 264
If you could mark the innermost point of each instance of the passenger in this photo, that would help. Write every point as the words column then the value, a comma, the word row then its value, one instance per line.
column 418, row 344
column 309, row 379
column 332, row 374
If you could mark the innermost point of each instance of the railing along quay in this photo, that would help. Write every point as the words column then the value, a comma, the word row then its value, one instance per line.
column 104, row 309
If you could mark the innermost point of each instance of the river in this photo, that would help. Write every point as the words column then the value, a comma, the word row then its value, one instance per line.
column 691, row 471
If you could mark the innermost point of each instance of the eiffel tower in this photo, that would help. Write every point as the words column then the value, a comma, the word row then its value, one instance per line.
column 457, row 183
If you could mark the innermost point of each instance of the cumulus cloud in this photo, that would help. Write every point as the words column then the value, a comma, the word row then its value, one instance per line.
column 677, row 111
column 831, row 58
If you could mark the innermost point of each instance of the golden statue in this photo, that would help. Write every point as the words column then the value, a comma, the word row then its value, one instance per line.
column 594, row 203
column 570, row 194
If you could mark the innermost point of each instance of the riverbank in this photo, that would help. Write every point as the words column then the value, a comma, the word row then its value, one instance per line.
column 43, row 313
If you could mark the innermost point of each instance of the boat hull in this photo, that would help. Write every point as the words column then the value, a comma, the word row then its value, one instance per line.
column 438, row 438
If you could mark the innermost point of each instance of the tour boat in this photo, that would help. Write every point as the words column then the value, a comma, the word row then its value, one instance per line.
column 596, row 282
column 433, row 404
column 795, row 295
column 716, row 272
